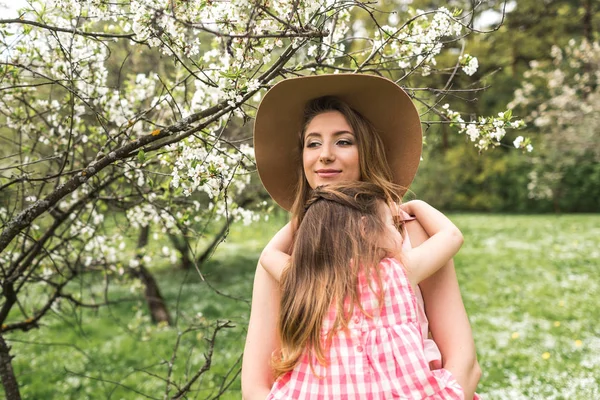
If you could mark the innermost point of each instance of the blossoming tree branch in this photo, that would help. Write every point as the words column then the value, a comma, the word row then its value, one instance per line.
column 137, row 115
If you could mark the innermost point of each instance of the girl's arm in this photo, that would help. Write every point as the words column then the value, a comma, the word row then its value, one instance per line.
column 262, row 340
column 432, row 254
column 448, row 320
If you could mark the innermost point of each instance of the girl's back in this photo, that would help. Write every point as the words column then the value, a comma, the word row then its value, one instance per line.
column 379, row 356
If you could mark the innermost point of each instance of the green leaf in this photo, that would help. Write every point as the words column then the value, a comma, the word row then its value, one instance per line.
column 229, row 75
column 141, row 156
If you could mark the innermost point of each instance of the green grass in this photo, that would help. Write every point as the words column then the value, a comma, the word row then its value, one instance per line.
column 530, row 286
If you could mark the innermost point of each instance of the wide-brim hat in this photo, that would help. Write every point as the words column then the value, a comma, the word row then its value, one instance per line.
column 279, row 122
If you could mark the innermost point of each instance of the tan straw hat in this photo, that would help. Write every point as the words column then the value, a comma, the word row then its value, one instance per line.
column 279, row 121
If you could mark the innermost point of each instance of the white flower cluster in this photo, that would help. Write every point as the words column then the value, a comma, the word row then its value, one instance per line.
column 84, row 66
column 228, row 209
column 536, row 189
column 561, row 99
column 147, row 214
column 469, row 64
column 487, row 131
column 561, row 89
column 211, row 169
column 520, row 142
column 169, row 26
column 419, row 42
column 215, row 171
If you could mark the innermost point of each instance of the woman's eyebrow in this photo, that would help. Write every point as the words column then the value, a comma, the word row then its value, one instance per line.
column 342, row 132
column 312, row 134
column 338, row 133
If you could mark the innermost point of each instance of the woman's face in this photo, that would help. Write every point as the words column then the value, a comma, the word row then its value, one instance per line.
column 330, row 152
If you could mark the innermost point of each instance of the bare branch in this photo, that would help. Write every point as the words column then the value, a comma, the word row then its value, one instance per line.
column 207, row 357
column 96, row 35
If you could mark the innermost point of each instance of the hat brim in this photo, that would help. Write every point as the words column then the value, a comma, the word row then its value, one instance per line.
column 279, row 121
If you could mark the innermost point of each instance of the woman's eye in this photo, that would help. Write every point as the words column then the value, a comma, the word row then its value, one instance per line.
column 344, row 142
column 312, row 144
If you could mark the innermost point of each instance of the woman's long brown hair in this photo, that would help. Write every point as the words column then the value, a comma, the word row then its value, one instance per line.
column 335, row 241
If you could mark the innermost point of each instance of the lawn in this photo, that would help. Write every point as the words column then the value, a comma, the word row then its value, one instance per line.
column 530, row 285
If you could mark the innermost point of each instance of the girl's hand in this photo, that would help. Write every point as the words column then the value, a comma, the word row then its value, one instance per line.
column 407, row 207
column 404, row 211
column 275, row 255
column 274, row 261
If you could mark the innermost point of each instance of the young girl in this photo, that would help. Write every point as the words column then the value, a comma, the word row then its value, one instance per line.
column 348, row 322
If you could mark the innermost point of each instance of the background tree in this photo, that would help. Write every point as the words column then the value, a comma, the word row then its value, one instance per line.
column 562, row 99
column 503, row 180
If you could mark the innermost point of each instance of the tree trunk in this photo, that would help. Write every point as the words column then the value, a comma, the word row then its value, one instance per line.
column 184, row 251
column 186, row 259
column 445, row 143
column 7, row 374
column 156, row 303
column 513, row 64
column 587, row 21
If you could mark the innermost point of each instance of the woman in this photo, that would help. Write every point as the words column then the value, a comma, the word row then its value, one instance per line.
column 367, row 130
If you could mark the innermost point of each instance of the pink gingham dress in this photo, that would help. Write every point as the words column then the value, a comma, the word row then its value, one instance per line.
column 379, row 357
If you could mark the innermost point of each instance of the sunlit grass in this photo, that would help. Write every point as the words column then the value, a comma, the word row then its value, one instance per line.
column 530, row 286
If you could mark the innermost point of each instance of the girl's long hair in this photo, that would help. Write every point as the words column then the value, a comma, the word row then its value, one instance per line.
column 336, row 240
column 374, row 167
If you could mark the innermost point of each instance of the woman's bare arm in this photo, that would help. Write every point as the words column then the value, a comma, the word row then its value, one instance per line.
column 448, row 319
column 262, row 340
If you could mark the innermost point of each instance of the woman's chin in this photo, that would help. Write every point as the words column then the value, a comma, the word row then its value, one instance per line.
column 324, row 181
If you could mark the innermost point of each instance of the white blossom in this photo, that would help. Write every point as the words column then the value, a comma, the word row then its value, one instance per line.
column 469, row 64
column 518, row 141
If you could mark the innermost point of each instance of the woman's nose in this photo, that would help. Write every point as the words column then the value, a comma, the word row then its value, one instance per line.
column 326, row 155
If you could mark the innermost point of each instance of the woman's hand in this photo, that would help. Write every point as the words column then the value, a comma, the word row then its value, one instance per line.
column 448, row 321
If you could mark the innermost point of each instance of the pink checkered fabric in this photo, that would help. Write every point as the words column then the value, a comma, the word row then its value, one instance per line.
column 379, row 357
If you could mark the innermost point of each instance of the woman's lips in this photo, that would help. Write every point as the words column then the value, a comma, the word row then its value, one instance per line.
column 328, row 173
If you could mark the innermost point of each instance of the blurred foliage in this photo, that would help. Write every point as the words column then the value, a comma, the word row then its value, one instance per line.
column 453, row 176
